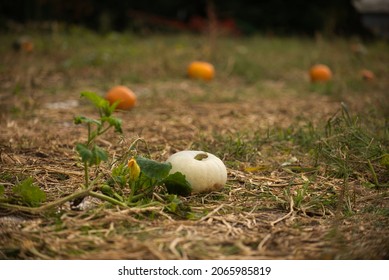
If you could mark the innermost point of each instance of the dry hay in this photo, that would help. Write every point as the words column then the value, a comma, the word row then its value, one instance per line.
column 252, row 218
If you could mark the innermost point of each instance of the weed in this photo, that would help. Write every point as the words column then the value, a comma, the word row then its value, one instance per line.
column 239, row 146
column 11, row 177
column 301, row 193
column 25, row 192
column 349, row 150
column 376, row 209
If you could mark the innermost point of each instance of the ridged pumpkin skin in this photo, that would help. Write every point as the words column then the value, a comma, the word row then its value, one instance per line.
column 204, row 175
column 201, row 70
column 320, row 73
column 124, row 94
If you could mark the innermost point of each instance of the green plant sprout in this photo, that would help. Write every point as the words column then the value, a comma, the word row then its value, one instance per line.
column 90, row 153
column 132, row 182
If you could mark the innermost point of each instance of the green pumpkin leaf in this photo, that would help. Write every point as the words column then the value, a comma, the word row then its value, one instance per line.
column 115, row 122
column 96, row 100
column 153, row 169
column 84, row 152
column 98, row 155
column 82, row 119
column 176, row 183
column 29, row 193
column 92, row 156
column 108, row 110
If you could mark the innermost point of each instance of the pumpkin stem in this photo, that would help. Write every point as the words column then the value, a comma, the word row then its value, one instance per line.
column 201, row 156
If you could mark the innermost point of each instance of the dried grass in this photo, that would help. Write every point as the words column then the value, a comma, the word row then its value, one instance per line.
column 256, row 216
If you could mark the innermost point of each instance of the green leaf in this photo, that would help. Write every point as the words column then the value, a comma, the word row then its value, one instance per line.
column 120, row 175
column 153, row 169
column 84, row 152
column 177, row 207
column 29, row 194
column 109, row 109
column 92, row 156
column 98, row 155
column 115, row 122
column 82, row 119
column 78, row 120
column 96, row 100
column 176, row 183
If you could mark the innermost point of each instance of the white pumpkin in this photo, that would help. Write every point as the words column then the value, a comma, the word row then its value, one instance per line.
column 204, row 171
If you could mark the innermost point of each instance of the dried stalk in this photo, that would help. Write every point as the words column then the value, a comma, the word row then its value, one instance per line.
column 47, row 206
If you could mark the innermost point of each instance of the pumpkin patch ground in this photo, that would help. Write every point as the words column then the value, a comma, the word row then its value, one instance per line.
column 307, row 164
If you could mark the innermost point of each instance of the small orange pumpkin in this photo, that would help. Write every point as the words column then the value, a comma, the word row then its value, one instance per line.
column 123, row 94
column 23, row 44
column 27, row 46
column 367, row 75
column 201, row 70
column 320, row 73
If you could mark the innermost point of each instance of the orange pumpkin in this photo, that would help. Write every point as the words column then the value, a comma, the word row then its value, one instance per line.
column 27, row 46
column 201, row 70
column 367, row 75
column 123, row 94
column 23, row 44
column 320, row 73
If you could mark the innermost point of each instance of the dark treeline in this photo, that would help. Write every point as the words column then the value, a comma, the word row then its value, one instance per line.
column 276, row 16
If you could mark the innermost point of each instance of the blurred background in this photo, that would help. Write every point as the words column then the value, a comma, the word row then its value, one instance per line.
column 244, row 17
